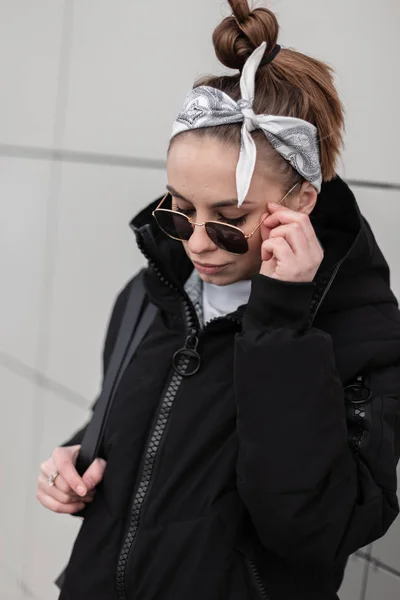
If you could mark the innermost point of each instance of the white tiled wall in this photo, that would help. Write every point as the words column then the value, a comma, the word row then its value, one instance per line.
column 30, row 42
column 17, row 441
column 107, row 77
column 24, row 189
column 131, row 65
column 352, row 584
column 387, row 549
column 381, row 208
column 382, row 585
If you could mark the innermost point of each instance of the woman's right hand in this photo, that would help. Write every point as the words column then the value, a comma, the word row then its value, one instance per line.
column 70, row 492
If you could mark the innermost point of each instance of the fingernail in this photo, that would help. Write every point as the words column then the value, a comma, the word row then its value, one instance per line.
column 81, row 490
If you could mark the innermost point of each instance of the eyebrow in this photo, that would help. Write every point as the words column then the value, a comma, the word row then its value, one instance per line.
column 220, row 204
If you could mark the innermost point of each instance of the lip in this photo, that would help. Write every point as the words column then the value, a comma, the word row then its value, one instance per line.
column 208, row 269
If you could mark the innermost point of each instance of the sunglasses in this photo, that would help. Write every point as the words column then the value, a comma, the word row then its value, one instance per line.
column 227, row 237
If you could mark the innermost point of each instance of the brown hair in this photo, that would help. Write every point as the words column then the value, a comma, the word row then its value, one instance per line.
column 293, row 85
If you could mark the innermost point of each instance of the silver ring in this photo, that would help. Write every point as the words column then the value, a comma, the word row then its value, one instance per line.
column 52, row 479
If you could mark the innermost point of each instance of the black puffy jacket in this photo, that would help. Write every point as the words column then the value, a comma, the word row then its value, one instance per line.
column 258, row 475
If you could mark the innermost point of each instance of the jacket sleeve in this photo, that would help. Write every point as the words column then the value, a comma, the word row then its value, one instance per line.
column 312, row 496
column 110, row 339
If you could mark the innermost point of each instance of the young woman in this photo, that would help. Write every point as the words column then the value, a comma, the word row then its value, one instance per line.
column 254, row 467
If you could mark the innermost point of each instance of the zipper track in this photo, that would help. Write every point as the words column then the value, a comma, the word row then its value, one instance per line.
column 258, row 580
column 231, row 318
column 152, row 448
column 146, row 475
column 190, row 315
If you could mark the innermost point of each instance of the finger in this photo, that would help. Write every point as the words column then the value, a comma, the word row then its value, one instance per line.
column 94, row 474
column 286, row 216
column 47, row 469
column 57, row 494
column 58, row 507
column 281, row 215
column 295, row 237
column 60, row 482
column 49, row 466
column 279, row 248
column 65, row 466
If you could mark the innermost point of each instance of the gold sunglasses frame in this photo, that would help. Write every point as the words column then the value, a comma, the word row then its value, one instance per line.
column 194, row 224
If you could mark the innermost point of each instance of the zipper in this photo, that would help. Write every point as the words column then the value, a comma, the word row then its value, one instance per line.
column 186, row 362
column 231, row 317
column 190, row 315
column 182, row 361
column 258, row 580
column 146, row 474
column 358, row 396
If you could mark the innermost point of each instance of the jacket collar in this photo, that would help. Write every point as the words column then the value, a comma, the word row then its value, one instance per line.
column 349, row 250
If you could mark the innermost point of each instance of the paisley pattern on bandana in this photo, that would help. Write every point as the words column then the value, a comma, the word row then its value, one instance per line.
column 295, row 140
column 207, row 107
column 299, row 146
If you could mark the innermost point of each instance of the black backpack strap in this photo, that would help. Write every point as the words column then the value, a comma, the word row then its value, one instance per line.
column 137, row 318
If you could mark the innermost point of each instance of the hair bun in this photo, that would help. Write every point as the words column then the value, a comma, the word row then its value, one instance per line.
column 239, row 35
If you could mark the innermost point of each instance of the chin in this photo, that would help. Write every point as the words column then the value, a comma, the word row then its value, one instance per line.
column 220, row 278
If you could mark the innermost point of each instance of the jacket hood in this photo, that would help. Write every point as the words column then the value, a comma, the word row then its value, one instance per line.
column 353, row 272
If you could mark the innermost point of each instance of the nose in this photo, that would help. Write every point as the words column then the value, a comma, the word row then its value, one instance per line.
column 199, row 241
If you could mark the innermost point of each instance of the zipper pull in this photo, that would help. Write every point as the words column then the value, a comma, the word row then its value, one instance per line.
column 357, row 392
column 187, row 360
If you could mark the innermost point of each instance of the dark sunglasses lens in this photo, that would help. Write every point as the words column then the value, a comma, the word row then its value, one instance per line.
column 173, row 224
column 227, row 238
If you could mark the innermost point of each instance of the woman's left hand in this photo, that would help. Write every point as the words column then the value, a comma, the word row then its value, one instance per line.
column 290, row 250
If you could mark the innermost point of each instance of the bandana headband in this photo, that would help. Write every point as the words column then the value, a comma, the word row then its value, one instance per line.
column 296, row 140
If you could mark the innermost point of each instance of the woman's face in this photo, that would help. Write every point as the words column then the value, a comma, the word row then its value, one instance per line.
column 202, row 182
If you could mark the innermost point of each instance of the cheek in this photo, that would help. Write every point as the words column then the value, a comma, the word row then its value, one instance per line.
column 254, row 253
column 249, row 263
column 255, row 243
